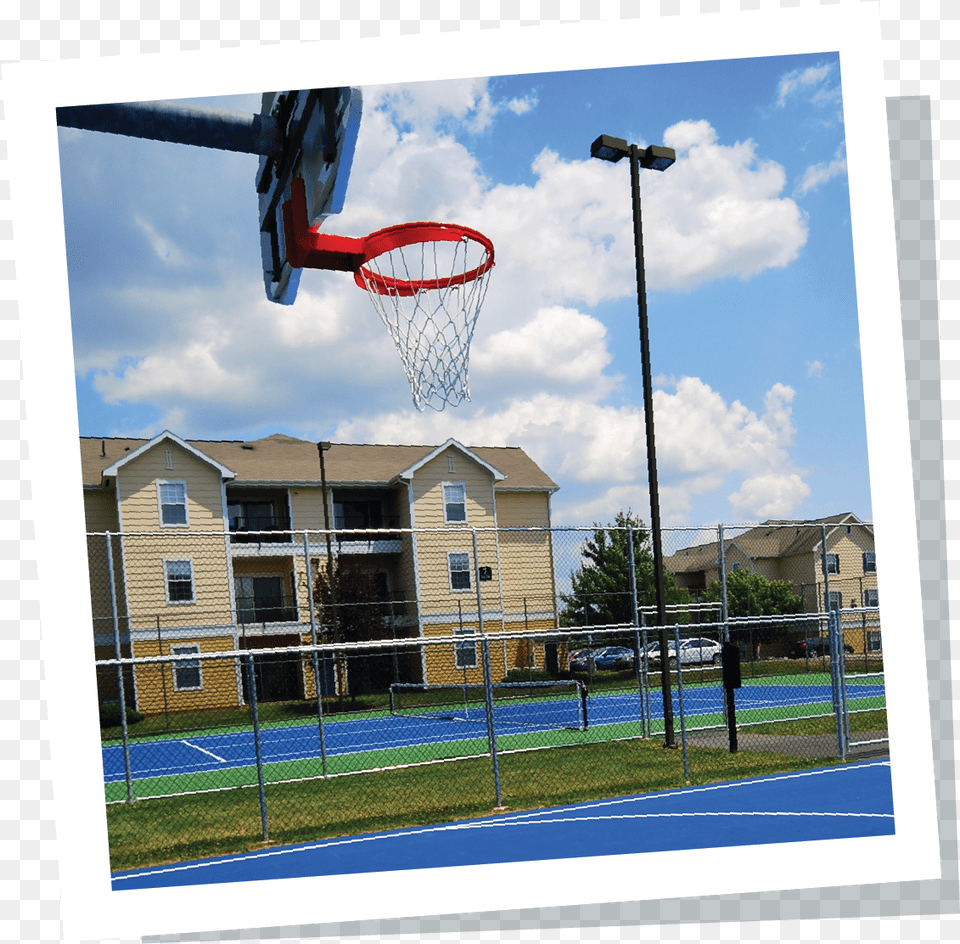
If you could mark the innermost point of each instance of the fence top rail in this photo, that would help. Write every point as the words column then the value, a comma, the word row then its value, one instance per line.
column 557, row 635
column 299, row 532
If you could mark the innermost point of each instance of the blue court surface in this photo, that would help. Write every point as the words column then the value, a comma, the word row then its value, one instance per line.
column 832, row 803
column 198, row 753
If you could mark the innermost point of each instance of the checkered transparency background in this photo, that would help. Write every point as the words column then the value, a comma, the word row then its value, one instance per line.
column 921, row 40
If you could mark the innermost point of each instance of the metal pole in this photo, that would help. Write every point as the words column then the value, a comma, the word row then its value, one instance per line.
column 173, row 122
column 256, row 744
column 322, row 447
column 487, row 683
column 316, row 663
column 823, row 565
column 116, row 646
column 683, row 721
column 163, row 678
column 635, row 153
column 724, row 613
column 636, row 626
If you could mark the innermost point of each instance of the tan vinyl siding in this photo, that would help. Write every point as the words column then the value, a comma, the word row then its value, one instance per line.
column 156, row 690
column 523, row 509
column 438, row 598
column 306, row 510
column 137, row 484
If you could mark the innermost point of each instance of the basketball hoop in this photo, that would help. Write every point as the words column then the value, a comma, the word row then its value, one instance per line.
column 427, row 282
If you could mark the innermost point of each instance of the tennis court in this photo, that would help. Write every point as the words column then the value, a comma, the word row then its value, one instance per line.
column 850, row 801
column 227, row 758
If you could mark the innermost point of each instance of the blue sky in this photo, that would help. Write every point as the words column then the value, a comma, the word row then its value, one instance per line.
column 753, row 318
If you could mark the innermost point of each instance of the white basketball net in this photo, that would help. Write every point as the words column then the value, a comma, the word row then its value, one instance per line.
column 432, row 328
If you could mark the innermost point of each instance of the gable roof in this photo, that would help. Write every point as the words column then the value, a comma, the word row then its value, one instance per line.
column 451, row 443
column 772, row 539
column 285, row 460
column 165, row 436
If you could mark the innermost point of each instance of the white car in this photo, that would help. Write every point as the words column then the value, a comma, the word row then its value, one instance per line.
column 692, row 651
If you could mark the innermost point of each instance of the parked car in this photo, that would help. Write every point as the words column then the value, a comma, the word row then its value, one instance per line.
column 692, row 651
column 614, row 657
column 814, row 648
column 608, row 657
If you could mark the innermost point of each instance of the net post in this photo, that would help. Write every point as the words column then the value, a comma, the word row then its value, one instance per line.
column 256, row 744
column 116, row 647
column 315, row 657
column 487, row 682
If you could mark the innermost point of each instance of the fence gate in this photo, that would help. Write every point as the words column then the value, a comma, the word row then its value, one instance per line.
column 856, row 688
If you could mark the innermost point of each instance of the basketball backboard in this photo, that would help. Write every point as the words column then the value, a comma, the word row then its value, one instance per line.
column 319, row 128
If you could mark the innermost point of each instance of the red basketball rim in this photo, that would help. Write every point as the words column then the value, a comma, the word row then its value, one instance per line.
column 409, row 234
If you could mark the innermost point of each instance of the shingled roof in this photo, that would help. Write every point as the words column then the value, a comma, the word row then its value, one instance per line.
column 284, row 460
column 772, row 539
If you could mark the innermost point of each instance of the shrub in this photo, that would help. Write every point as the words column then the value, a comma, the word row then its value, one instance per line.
column 110, row 715
column 527, row 675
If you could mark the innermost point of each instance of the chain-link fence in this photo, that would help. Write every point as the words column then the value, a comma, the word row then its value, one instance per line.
column 300, row 685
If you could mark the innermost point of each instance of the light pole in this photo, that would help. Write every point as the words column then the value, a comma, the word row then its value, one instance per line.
column 608, row 148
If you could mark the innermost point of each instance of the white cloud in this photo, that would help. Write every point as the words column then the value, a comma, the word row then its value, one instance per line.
column 802, row 79
column 164, row 247
column 818, row 174
column 814, row 368
column 557, row 348
column 771, row 495
column 701, row 441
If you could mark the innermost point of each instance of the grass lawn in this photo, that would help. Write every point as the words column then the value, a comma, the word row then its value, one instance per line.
column 173, row 829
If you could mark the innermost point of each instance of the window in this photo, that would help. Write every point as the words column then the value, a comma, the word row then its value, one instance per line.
column 261, row 599
column 459, row 567
column 736, row 568
column 168, row 458
column 465, row 653
column 178, row 576
column 833, row 563
column 873, row 640
column 869, row 562
column 173, row 502
column 455, row 503
column 186, row 672
column 835, row 600
column 871, row 597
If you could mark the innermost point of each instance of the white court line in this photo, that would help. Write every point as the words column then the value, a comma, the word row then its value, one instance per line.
column 222, row 760
column 537, row 817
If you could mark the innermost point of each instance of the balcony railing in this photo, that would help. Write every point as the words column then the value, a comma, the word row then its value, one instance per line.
column 265, row 613
column 253, row 530
column 355, row 531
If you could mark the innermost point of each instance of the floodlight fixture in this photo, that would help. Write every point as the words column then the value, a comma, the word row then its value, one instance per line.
column 608, row 148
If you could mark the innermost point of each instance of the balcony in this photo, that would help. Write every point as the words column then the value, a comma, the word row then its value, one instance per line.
column 260, row 530
column 359, row 534
column 248, row 613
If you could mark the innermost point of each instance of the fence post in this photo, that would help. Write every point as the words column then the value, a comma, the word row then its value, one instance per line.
column 487, row 682
column 836, row 682
column 116, row 649
column 722, row 567
column 315, row 654
column 823, row 565
column 256, row 744
column 683, row 715
column 636, row 626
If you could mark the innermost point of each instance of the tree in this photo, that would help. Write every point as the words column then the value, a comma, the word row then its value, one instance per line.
column 353, row 608
column 600, row 593
column 753, row 595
